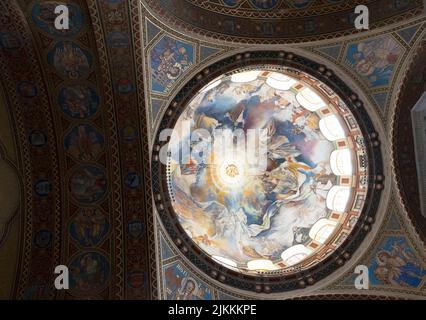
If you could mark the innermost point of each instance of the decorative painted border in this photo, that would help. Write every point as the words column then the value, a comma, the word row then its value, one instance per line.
column 168, row 16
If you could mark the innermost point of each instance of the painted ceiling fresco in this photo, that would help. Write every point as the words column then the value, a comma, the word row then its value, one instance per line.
column 242, row 206
column 79, row 110
column 373, row 61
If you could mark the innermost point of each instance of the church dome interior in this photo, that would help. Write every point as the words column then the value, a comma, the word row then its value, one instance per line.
column 213, row 150
column 241, row 194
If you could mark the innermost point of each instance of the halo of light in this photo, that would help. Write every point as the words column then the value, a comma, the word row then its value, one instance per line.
column 231, row 172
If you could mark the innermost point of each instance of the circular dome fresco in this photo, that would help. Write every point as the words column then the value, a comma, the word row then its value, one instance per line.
column 266, row 172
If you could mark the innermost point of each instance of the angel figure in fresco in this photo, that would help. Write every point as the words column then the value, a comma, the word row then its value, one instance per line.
column 288, row 179
column 399, row 267
column 223, row 107
column 294, row 202
column 173, row 60
column 257, row 114
column 375, row 59
column 278, row 147
column 168, row 65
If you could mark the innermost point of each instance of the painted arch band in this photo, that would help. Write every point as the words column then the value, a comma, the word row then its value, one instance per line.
column 277, row 220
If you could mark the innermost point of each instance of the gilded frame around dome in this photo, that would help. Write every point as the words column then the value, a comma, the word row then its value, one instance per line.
column 274, row 282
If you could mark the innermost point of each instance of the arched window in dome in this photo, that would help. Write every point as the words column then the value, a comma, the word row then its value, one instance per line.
column 280, row 81
column 246, row 76
column 322, row 230
column 332, row 128
column 341, row 162
column 338, row 198
column 295, row 254
column 310, row 100
column 261, row 265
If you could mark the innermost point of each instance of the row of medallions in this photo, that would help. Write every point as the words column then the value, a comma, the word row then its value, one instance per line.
column 21, row 77
column 84, row 144
column 23, row 74
column 79, row 102
column 135, row 214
